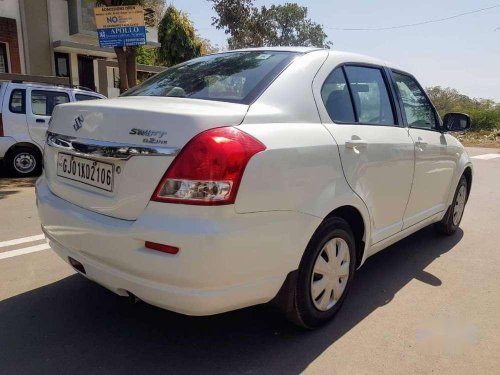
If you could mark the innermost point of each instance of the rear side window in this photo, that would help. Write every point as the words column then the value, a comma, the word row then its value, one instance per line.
column 17, row 101
column 370, row 95
column 237, row 77
column 358, row 94
column 43, row 102
column 82, row 97
column 336, row 97
column 417, row 108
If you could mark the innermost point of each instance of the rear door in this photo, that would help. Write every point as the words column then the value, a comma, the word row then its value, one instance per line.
column 435, row 160
column 375, row 149
column 40, row 105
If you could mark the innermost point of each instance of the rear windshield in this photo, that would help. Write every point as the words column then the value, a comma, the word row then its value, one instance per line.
column 237, row 77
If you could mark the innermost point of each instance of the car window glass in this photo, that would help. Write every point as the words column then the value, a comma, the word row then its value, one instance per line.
column 370, row 95
column 418, row 110
column 39, row 103
column 82, row 97
column 17, row 103
column 237, row 77
column 335, row 95
column 59, row 98
column 43, row 102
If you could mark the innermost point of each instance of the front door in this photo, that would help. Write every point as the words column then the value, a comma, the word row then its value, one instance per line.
column 86, row 72
column 435, row 160
column 377, row 153
column 40, row 106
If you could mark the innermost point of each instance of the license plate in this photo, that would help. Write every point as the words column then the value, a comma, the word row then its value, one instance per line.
column 87, row 171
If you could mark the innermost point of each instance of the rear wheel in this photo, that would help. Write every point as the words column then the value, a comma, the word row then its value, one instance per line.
column 451, row 220
column 325, row 274
column 24, row 162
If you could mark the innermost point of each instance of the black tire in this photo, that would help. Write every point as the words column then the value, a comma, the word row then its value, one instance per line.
column 24, row 162
column 449, row 225
column 302, row 310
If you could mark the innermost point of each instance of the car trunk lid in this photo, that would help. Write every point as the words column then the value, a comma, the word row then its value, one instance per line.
column 134, row 139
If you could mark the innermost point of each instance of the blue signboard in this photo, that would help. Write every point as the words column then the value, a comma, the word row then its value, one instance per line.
column 122, row 36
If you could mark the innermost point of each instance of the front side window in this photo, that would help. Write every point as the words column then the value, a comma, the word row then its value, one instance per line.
column 237, row 77
column 43, row 102
column 17, row 102
column 370, row 95
column 418, row 109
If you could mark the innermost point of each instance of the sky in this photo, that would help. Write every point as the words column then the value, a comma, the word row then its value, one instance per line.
column 462, row 53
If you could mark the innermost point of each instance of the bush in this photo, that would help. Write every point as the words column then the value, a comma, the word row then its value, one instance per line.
column 484, row 113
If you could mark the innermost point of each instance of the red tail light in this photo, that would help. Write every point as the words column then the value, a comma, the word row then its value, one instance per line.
column 208, row 170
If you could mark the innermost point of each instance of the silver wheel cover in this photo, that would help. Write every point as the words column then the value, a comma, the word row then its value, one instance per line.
column 24, row 163
column 330, row 274
column 458, row 208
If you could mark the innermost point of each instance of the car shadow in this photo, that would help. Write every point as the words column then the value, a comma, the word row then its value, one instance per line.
column 74, row 325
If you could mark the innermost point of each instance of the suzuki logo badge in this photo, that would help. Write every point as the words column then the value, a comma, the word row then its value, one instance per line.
column 77, row 125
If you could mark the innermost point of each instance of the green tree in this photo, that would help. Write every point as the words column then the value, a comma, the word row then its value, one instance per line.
column 207, row 48
column 146, row 56
column 277, row 25
column 484, row 113
column 177, row 37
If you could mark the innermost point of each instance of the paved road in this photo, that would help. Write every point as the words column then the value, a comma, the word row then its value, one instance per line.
column 427, row 304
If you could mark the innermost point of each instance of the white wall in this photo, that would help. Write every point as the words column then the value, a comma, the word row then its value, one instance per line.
column 58, row 19
column 10, row 9
column 113, row 92
column 59, row 24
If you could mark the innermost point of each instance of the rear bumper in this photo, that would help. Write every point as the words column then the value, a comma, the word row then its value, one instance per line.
column 226, row 260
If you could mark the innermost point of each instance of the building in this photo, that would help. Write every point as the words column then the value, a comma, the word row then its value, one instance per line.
column 58, row 38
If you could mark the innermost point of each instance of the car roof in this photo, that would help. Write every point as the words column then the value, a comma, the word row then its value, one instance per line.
column 350, row 57
column 281, row 48
column 51, row 87
column 346, row 57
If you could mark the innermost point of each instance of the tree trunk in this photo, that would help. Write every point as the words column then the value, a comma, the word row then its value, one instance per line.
column 121, row 56
column 126, row 56
column 132, row 66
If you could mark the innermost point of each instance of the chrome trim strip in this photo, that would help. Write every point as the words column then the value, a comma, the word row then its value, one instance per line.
column 112, row 150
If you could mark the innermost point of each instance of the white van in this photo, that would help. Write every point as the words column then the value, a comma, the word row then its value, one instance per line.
column 25, row 111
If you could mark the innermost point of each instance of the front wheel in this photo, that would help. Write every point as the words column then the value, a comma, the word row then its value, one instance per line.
column 24, row 162
column 451, row 220
column 325, row 274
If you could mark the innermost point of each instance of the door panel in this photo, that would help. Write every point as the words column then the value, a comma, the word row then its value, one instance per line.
column 377, row 155
column 40, row 104
column 380, row 171
column 14, row 114
column 435, row 161
column 435, row 164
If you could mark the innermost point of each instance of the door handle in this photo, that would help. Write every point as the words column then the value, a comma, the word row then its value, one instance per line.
column 40, row 120
column 356, row 143
column 420, row 142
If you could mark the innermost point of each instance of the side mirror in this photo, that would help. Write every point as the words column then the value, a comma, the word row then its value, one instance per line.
column 456, row 122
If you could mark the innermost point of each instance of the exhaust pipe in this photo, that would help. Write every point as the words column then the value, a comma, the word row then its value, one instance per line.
column 77, row 265
column 132, row 298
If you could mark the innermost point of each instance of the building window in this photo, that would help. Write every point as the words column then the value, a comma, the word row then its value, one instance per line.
column 62, row 64
column 4, row 62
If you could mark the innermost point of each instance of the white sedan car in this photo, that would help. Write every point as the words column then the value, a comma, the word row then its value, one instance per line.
column 250, row 176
